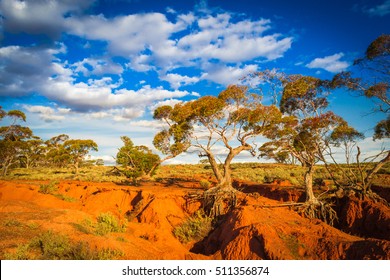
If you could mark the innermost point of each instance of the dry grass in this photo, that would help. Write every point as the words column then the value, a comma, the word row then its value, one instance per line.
column 254, row 172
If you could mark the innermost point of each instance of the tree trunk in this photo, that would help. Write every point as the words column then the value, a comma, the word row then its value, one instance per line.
column 368, row 180
column 309, row 185
column 157, row 164
column 227, row 171
column 215, row 168
column 6, row 164
column 76, row 167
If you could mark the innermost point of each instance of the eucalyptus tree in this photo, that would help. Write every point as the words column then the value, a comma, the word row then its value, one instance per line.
column 232, row 121
column 306, row 135
column 12, row 137
column 370, row 77
column 32, row 152
column 136, row 161
column 56, row 154
column 77, row 150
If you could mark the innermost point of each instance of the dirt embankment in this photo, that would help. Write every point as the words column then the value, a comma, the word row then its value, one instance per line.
column 256, row 229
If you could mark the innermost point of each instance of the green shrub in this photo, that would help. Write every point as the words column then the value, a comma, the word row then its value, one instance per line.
column 106, row 223
column 50, row 188
column 12, row 223
column 205, row 184
column 195, row 228
column 54, row 246
column 21, row 253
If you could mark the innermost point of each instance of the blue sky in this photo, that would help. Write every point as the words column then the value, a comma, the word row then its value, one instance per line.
column 97, row 69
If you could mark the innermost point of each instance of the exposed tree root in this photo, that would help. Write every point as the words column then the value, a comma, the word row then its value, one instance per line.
column 218, row 201
column 321, row 210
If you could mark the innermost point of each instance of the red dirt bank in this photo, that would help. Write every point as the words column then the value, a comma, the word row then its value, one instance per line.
column 251, row 231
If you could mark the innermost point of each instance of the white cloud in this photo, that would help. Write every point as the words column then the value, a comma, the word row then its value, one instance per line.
column 28, row 70
column 108, row 160
column 169, row 102
column 97, row 66
column 23, row 69
column 227, row 75
column 220, row 38
column 147, row 124
column 101, row 95
column 47, row 113
column 380, row 10
column 127, row 35
column 330, row 63
column 176, row 80
column 39, row 16
column 151, row 42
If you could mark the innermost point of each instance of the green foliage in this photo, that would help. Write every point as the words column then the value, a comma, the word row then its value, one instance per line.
column 77, row 149
column 54, row 246
column 50, row 188
column 382, row 129
column 379, row 47
column 12, row 223
column 21, row 253
column 107, row 223
column 205, row 184
column 136, row 161
column 234, row 119
column 195, row 228
column 302, row 94
column 12, row 140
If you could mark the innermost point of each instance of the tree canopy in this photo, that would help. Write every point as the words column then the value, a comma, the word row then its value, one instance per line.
column 230, row 121
column 136, row 161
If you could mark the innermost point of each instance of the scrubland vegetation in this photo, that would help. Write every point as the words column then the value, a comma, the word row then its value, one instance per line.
column 301, row 131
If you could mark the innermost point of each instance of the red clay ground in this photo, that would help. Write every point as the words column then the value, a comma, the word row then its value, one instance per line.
column 252, row 231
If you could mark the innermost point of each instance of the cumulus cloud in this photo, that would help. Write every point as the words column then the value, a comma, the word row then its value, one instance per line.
column 177, row 80
column 219, row 37
column 380, row 10
column 226, row 75
column 46, row 113
column 151, row 39
column 23, row 69
column 100, row 95
column 98, row 66
column 169, row 102
column 127, row 35
column 217, row 45
column 330, row 63
column 28, row 70
column 39, row 16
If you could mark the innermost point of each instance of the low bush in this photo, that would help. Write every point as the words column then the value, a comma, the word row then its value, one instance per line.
column 107, row 222
column 194, row 228
column 50, row 188
column 54, row 246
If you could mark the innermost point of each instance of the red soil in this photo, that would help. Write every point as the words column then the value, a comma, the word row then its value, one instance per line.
column 252, row 231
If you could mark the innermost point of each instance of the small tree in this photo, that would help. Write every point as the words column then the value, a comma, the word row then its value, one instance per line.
column 136, row 161
column 32, row 152
column 12, row 139
column 373, row 83
column 56, row 155
column 77, row 150
column 306, row 135
column 231, row 121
